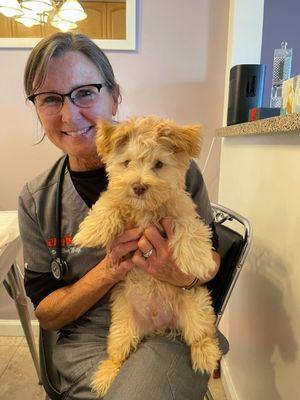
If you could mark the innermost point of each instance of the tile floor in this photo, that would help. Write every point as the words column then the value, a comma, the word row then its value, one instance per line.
column 18, row 379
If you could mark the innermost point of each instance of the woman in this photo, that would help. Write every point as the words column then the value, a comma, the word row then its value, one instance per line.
column 71, row 83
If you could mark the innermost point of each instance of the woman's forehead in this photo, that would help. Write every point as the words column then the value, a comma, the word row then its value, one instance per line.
column 68, row 71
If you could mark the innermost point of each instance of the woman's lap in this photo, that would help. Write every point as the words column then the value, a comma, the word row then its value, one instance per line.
column 159, row 369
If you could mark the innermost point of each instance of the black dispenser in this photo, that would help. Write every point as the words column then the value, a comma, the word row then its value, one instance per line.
column 245, row 91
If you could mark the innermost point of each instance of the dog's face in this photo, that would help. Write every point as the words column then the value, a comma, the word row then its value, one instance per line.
column 146, row 159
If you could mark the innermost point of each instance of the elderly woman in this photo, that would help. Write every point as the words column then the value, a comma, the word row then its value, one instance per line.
column 71, row 83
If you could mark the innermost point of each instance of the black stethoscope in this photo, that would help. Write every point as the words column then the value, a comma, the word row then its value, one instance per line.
column 59, row 266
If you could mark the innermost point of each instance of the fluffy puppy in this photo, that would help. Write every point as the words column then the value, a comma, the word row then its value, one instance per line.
column 146, row 161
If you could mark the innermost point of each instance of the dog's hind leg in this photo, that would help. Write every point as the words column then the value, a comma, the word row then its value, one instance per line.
column 197, row 323
column 122, row 339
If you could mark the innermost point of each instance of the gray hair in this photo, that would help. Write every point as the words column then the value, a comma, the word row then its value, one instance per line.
column 54, row 46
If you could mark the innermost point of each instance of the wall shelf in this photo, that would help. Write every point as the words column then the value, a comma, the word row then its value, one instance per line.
column 287, row 124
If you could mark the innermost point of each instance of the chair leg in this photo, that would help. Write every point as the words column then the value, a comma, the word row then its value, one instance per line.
column 208, row 395
column 216, row 375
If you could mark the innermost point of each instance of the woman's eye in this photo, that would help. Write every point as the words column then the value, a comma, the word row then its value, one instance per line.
column 84, row 93
column 126, row 163
column 158, row 164
column 51, row 100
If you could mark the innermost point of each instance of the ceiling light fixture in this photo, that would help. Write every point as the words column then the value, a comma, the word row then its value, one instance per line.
column 71, row 11
column 10, row 8
column 61, row 14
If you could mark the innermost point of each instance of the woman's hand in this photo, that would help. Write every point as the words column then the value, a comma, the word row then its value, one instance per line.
column 160, row 263
column 118, row 259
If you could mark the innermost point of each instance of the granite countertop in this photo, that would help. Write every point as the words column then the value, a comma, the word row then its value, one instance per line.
column 289, row 124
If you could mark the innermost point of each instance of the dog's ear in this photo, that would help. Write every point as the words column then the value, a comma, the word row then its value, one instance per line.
column 187, row 138
column 109, row 137
column 105, row 131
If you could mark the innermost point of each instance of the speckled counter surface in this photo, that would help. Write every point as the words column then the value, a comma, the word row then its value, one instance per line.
column 289, row 124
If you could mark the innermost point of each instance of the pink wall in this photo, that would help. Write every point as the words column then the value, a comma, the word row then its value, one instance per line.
column 177, row 71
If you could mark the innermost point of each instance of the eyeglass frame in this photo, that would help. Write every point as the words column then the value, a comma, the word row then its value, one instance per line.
column 99, row 86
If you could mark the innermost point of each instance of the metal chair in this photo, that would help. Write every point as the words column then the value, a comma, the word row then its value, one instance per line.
column 233, row 248
column 49, row 375
column 234, row 232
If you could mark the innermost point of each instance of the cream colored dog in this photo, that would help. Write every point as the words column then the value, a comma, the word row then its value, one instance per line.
column 146, row 160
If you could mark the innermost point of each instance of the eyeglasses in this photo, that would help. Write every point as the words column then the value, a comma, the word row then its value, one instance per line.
column 51, row 103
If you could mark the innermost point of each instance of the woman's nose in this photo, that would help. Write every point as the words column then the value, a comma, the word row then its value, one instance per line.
column 69, row 111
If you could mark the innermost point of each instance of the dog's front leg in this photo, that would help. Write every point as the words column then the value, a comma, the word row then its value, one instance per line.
column 122, row 339
column 191, row 247
column 102, row 224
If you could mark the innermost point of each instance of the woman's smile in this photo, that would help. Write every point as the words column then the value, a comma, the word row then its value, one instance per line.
column 78, row 132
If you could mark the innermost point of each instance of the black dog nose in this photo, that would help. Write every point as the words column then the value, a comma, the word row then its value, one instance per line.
column 139, row 188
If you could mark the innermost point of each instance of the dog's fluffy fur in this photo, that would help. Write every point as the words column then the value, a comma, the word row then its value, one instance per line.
column 141, row 304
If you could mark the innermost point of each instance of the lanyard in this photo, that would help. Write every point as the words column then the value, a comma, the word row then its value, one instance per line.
column 59, row 266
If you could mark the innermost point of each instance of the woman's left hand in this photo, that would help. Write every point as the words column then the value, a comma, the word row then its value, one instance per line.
column 160, row 263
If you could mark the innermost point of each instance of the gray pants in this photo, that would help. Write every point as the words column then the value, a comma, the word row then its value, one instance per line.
column 159, row 369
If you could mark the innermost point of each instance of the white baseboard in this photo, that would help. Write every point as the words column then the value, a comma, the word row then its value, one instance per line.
column 227, row 381
column 13, row 327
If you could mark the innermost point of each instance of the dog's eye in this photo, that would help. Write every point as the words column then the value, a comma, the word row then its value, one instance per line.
column 126, row 163
column 159, row 164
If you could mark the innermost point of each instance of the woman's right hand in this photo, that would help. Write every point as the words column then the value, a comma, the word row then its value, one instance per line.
column 118, row 259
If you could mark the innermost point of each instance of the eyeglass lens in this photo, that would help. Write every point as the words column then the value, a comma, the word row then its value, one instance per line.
column 51, row 103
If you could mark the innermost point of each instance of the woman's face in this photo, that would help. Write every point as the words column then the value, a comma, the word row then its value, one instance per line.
column 73, row 128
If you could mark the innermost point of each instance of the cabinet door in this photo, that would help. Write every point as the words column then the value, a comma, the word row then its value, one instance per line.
column 116, row 20
column 5, row 26
column 21, row 31
column 94, row 25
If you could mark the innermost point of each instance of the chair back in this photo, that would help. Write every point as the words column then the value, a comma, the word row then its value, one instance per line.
column 234, row 242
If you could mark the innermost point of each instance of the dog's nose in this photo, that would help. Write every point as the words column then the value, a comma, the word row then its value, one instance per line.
column 139, row 188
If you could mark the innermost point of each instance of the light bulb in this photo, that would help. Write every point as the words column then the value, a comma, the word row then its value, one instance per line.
column 71, row 11
column 62, row 24
column 38, row 6
column 10, row 8
column 29, row 18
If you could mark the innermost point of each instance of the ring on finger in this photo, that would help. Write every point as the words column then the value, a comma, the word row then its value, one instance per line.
column 148, row 253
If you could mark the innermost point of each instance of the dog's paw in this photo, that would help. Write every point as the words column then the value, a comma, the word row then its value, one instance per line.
column 205, row 355
column 195, row 258
column 104, row 376
column 191, row 246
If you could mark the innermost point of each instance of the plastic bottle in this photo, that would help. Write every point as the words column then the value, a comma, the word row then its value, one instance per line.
column 282, row 64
